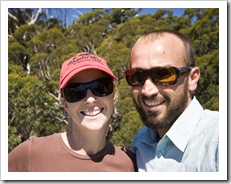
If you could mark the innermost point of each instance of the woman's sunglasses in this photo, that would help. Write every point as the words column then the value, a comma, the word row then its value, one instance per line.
column 78, row 91
column 160, row 75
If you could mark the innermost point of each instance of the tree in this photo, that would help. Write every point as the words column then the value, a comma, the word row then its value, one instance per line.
column 204, row 34
column 18, row 17
column 122, row 15
column 90, row 29
column 32, row 111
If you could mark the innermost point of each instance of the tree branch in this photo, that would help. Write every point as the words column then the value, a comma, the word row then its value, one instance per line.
column 55, row 97
column 12, row 16
column 36, row 17
column 62, row 120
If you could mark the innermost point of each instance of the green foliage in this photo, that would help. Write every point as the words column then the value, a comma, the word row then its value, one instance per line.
column 26, row 32
column 93, row 17
column 129, row 126
column 50, row 23
column 15, row 51
column 46, row 41
column 32, row 111
column 122, row 15
column 33, row 92
column 208, row 89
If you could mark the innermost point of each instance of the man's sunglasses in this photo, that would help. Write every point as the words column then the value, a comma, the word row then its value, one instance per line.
column 160, row 75
column 78, row 91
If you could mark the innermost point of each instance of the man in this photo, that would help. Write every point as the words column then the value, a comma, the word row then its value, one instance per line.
column 179, row 135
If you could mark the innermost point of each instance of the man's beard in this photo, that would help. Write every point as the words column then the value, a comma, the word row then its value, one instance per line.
column 173, row 111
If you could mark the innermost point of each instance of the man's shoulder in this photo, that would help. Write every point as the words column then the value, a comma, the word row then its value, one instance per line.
column 146, row 135
column 205, row 117
column 208, row 126
column 142, row 132
column 211, row 114
column 210, row 119
column 207, row 113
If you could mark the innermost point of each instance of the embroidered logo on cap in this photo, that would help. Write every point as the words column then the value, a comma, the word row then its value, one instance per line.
column 84, row 57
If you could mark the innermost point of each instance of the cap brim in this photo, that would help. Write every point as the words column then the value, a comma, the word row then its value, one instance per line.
column 77, row 70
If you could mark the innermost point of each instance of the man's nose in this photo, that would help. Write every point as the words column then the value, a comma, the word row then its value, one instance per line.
column 149, row 88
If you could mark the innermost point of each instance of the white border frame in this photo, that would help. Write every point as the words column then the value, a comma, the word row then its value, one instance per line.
column 221, row 175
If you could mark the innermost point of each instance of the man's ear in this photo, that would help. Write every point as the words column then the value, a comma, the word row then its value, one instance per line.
column 194, row 78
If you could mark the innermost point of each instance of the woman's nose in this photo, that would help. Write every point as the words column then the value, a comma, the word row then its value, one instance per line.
column 90, row 97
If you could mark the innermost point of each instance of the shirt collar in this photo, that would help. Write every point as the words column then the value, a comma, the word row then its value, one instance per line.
column 181, row 130
column 149, row 135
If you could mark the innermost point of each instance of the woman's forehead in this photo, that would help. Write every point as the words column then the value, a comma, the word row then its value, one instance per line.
column 87, row 76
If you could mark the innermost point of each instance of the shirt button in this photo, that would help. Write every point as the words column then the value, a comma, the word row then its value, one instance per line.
column 159, row 154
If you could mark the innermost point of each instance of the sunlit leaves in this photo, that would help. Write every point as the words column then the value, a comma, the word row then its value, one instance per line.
column 32, row 111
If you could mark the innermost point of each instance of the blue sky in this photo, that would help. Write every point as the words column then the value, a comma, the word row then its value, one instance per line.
column 176, row 11
column 78, row 11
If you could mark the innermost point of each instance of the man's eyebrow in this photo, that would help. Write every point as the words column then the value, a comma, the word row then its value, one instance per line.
column 165, row 66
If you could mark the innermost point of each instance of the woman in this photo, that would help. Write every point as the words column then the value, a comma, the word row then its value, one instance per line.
column 88, row 92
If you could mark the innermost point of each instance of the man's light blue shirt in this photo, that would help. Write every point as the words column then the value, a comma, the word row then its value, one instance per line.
column 191, row 144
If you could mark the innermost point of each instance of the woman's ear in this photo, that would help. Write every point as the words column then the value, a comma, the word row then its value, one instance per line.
column 63, row 103
column 194, row 78
column 115, row 93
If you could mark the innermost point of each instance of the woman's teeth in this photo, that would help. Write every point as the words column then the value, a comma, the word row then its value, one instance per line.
column 92, row 113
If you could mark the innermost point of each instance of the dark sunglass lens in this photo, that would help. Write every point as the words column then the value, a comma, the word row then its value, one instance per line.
column 74, row 93
column 165, row 76
column 134, row 77
column 102, row 87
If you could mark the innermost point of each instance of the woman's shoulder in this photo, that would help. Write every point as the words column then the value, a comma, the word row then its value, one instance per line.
column 125, row 154
column 36, row 143
column 38, row 139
